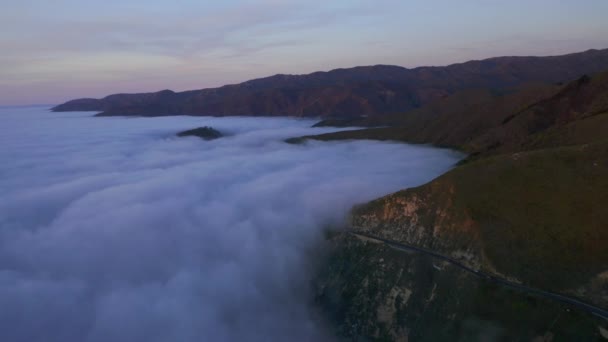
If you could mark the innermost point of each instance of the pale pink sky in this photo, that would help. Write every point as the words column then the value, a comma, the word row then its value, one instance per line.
column 53, row 51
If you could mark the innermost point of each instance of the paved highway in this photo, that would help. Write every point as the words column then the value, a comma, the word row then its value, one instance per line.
column 538, row 292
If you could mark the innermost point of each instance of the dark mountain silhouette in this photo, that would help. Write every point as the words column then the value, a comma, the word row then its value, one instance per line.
column 369, row 91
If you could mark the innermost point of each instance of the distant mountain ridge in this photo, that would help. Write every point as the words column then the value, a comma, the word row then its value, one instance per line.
column 370, row 90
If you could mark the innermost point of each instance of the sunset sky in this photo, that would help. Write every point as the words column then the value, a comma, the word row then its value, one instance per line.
column 53, row 51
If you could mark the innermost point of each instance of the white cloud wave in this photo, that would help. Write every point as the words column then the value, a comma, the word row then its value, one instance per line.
column 112, row 229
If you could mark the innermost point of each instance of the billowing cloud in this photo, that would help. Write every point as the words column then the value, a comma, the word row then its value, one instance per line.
column 112, row 229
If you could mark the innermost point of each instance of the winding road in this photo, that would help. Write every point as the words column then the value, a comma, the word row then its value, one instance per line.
column 487, row 276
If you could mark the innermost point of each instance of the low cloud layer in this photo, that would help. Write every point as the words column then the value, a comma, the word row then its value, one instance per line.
column 112, row 229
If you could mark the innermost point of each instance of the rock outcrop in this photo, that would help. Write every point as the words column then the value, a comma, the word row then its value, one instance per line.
column 206, row 133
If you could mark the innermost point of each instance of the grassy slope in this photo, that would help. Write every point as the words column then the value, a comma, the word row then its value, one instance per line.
column 588, row 130
column 483, row 124
column 452, row 122
column 537, row 189
column 541, row 214
column 574, row 104
column 530, row 202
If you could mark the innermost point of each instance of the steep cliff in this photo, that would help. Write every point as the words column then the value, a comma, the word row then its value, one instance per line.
column 371, row 291
column 533, row 218
column 527, row 208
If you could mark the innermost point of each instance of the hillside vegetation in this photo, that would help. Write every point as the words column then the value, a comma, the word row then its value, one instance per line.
column 528, row 206
column 480, row 123
column 372, row 91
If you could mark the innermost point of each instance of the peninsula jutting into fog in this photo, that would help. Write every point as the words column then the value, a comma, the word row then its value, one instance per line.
column 420, row 187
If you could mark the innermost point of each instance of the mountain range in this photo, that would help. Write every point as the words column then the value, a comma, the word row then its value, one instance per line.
column 526, row 207
column 361, row 91
column 487, row 251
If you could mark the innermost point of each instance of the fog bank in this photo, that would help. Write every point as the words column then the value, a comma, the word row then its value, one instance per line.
column 113, row 229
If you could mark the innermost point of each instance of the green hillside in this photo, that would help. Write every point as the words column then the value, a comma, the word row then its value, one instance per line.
column 527, row 206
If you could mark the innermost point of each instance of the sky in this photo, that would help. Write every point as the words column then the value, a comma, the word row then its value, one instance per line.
column 113, row 229
column 53, row 51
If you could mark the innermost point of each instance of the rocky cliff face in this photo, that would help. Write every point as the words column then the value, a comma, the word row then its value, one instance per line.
column 426, row 218
column 532, row 218
column 373, row 292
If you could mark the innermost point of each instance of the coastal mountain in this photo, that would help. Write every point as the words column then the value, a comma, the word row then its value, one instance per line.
column 510, row 245
column 481, row 123
column 372, row 91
